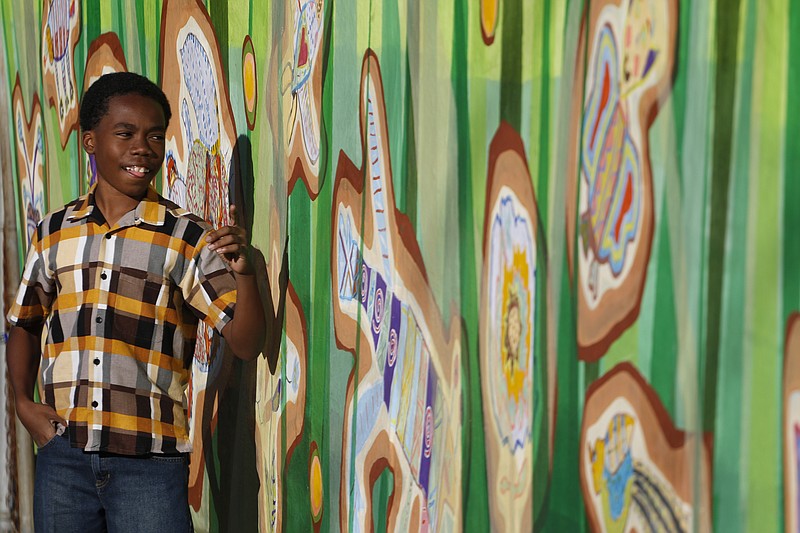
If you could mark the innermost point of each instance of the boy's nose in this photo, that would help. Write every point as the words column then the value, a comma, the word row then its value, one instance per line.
column 142, row 147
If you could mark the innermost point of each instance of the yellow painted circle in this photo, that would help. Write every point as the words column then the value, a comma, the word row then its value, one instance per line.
column 316, row 489
column 489, row 9
column 249, row 75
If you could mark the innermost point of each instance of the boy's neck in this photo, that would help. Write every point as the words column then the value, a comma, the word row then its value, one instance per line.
column 113, row 203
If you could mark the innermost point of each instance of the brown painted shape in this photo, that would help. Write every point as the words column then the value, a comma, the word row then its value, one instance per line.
column 175, row 15
column 791, row 385
column 409, row 266
column 618, row 308
column 105, row 53
column 508, row 167
column 67, row 118
column 672, row 451
column 284, row 116
column 293, row 413
column 23, row 159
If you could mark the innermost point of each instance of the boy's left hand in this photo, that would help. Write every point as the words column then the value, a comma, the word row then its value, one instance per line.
column 230, row 242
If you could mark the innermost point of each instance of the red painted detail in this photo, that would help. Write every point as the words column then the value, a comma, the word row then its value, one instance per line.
column 302, row 57
column 627, row 200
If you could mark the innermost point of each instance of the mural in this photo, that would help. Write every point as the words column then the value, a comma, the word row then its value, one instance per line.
column 249, row 81
column 637, row 469
column 31, row 150
column 508, row 318
column 295, row 68
column 280, row 403
column 541, row 273
column 60, row 34
column 402, row 403
column 628, row 72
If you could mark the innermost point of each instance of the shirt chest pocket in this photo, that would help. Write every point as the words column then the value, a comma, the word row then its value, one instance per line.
column 139, row 308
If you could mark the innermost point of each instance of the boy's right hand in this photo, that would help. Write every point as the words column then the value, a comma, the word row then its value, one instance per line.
column 40, row 420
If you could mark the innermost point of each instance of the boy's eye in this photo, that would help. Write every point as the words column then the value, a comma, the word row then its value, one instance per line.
column 124, row 134
column 159, row 137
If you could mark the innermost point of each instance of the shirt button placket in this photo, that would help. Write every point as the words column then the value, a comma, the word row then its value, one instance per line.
column 105, row 257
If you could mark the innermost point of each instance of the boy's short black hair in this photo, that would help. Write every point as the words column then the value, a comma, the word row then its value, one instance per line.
column 94, row 104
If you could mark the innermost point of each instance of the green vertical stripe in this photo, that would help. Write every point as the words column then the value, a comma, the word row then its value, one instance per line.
column 118, row 22
column 141, row 52
column 727, row 39
column 473, row 476
column 791, row 185
column 664, row 355
column 729, row 514
column 410, row 151
column 764, row 472
column 91, row 16
column 511, row 61
column 218, row 11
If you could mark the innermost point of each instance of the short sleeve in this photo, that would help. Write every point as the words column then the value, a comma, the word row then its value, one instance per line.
column 36, row 290
column 209, row 288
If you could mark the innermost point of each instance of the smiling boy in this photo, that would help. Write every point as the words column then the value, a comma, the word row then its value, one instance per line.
column 117, row 280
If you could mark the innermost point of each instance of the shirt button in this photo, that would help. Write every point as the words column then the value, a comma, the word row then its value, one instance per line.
column 99, row 320
column 94, row 404
column 108, row 235
column 97, row 361
column 103, row 275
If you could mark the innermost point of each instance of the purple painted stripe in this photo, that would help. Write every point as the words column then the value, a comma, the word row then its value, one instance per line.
column 427, row 430
column 378, row 308
column 393, row 350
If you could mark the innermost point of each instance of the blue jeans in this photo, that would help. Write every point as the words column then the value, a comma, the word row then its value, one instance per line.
column 91, row 491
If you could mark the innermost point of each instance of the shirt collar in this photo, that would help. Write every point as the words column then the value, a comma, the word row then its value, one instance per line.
column 150, row 209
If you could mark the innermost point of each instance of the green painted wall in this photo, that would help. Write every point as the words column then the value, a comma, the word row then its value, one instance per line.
column 717, row 287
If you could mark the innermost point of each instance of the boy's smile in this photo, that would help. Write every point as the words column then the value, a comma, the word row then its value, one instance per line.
column 128, row 147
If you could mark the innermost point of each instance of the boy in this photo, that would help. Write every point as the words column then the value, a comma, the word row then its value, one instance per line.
column 120, row 277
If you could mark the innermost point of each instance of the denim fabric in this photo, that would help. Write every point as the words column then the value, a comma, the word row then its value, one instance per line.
column 95, row 492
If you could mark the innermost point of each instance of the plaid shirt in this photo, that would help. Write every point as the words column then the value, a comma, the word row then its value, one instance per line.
column 121, row 307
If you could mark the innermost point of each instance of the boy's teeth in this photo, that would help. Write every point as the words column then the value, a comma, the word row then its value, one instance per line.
column 143, row 170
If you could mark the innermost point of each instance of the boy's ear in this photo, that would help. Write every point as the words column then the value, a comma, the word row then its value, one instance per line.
column 88, row 141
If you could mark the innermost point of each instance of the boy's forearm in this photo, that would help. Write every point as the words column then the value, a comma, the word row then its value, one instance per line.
column 246, row 332
column 22, row 354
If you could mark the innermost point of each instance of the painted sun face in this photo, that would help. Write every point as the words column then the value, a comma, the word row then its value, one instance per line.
column 513, row 332
column 508, row 332
column 516, row 324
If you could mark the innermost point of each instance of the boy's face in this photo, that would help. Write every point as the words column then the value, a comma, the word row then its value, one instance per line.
column 128, row 143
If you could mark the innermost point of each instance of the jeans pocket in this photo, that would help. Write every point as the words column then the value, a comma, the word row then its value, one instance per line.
column 49, row 443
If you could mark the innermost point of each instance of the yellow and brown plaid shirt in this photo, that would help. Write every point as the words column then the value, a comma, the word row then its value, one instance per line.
column 120, row 306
